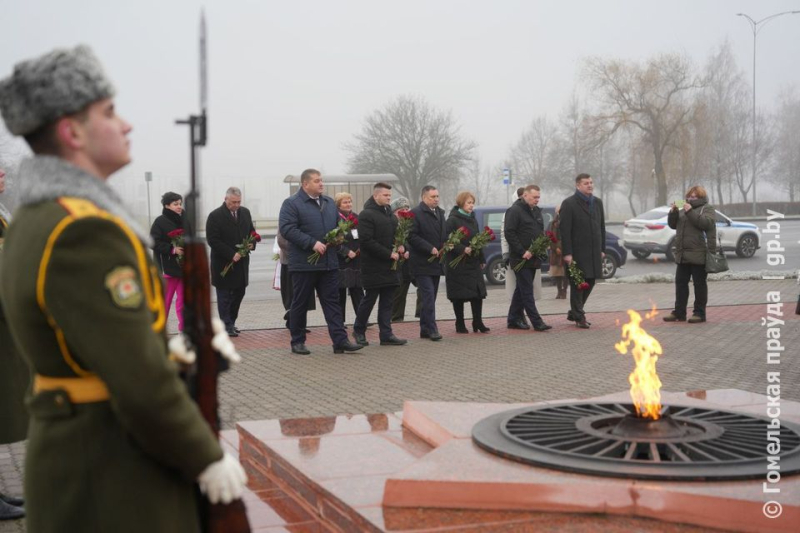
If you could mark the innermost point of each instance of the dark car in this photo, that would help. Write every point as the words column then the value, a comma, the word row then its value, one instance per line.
column 495, row 271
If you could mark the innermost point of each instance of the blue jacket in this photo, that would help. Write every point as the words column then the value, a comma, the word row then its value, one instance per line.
column 302, row 222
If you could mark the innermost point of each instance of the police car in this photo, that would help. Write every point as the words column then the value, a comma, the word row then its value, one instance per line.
column 649, row 233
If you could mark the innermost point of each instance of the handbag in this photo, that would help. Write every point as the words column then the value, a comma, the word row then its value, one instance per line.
column 716, row 261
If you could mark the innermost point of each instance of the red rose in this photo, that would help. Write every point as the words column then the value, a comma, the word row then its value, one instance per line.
column 552, row 236
column 256, row 236
column 583, row 286
column 465, row 231
column 174, row 234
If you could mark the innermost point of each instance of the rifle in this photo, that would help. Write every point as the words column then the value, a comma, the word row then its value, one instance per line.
column 202, row 378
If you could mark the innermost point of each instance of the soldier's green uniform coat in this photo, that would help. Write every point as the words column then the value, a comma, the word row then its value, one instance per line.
column 14, row 376
column 83, row 298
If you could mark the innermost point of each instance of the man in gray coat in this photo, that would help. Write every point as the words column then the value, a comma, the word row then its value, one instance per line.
column 583, row 239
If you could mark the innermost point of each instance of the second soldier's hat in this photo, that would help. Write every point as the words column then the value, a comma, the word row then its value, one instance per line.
column 49, row 87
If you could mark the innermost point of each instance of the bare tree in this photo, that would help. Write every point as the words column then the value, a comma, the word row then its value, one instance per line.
column 531, row 156
column 786, row 171
column 481, row 181
column 414, row 141
column 656, row 97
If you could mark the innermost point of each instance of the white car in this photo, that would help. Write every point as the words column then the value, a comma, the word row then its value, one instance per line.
column 649, row 233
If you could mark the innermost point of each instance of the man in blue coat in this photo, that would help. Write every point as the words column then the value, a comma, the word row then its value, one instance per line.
column 305, row 218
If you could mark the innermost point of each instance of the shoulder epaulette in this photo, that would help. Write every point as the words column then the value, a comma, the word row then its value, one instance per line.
column 80, row 208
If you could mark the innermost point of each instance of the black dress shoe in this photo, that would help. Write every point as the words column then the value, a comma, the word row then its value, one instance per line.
column 237, row 330
column 347, row 346
column 519, row 324
column 11, row 500
column 542, row 327
column 10, row 512
column 360, row 339
column 232, row 332
column 435, row 336
column 300, row 349
column 393, row 341
column 571, row 318
column 583, row 324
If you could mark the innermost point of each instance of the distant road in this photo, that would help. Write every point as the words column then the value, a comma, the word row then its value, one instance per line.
column 262, row 267
column 790, row 235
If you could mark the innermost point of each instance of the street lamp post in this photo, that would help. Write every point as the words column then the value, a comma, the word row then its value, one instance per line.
column 754, row 25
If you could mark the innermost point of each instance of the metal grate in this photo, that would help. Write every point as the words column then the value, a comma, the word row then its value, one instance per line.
column 608, row 439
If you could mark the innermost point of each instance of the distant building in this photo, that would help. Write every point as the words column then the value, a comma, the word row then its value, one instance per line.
column 359, row 185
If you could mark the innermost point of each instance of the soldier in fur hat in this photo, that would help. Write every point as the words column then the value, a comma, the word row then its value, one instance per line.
column 115, row 441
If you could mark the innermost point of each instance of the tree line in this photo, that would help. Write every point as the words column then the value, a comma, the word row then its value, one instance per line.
column 645, row 130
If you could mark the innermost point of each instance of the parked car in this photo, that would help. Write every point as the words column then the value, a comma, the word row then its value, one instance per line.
column 495, row 270
column 649, row 233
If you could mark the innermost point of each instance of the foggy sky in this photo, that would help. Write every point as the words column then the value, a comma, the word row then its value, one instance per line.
column 290, row 82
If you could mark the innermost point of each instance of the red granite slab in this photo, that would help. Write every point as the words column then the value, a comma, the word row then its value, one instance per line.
column 369, row 473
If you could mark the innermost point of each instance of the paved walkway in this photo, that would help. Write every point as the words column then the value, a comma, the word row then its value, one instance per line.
column 729, row 351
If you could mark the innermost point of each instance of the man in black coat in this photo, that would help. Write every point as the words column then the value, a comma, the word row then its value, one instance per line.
column 523, row 224
column 305, row 218
column 583, row 240
column 427, row 236
column 376, row 228
column 226, row 227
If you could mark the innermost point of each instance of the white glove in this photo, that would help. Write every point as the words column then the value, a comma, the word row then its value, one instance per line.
column 179, row 350
column 222, row 343
column 223, row 481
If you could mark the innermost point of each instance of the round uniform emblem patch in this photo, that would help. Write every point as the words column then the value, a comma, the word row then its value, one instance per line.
column 124, row 287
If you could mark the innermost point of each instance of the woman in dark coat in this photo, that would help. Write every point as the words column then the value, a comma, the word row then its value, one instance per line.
column 557, row 271
column 465, row 281
column 695, row 231
column 168, row 256
column 349, row 257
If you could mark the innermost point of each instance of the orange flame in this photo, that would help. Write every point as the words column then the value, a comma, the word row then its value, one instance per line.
column 653, row 312
column 645, row 385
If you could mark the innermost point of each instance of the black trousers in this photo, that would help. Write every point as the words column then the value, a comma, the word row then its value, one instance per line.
column 577, row 299
column 427, row 289
column 522, row 303
column 698, row 275
column 326, row 283
column 228, row 303
column 356, row 295
column 383, row 296
column 286, row 293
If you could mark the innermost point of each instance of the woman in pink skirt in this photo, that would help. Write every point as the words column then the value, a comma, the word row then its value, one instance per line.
column 167, row 234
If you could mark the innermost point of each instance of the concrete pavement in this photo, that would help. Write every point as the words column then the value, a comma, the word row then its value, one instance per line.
column 729, row 351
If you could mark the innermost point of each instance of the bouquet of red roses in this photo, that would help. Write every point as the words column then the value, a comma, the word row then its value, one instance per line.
column 404, row 221
column 454, row 238
column 243, row 250
column 336, row 236
column 176, row 240
column 538, row 248
column 476, row 243
column 576, row 276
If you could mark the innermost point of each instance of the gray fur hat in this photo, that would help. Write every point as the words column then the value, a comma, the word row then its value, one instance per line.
column 400, row 202
column 49, row 87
